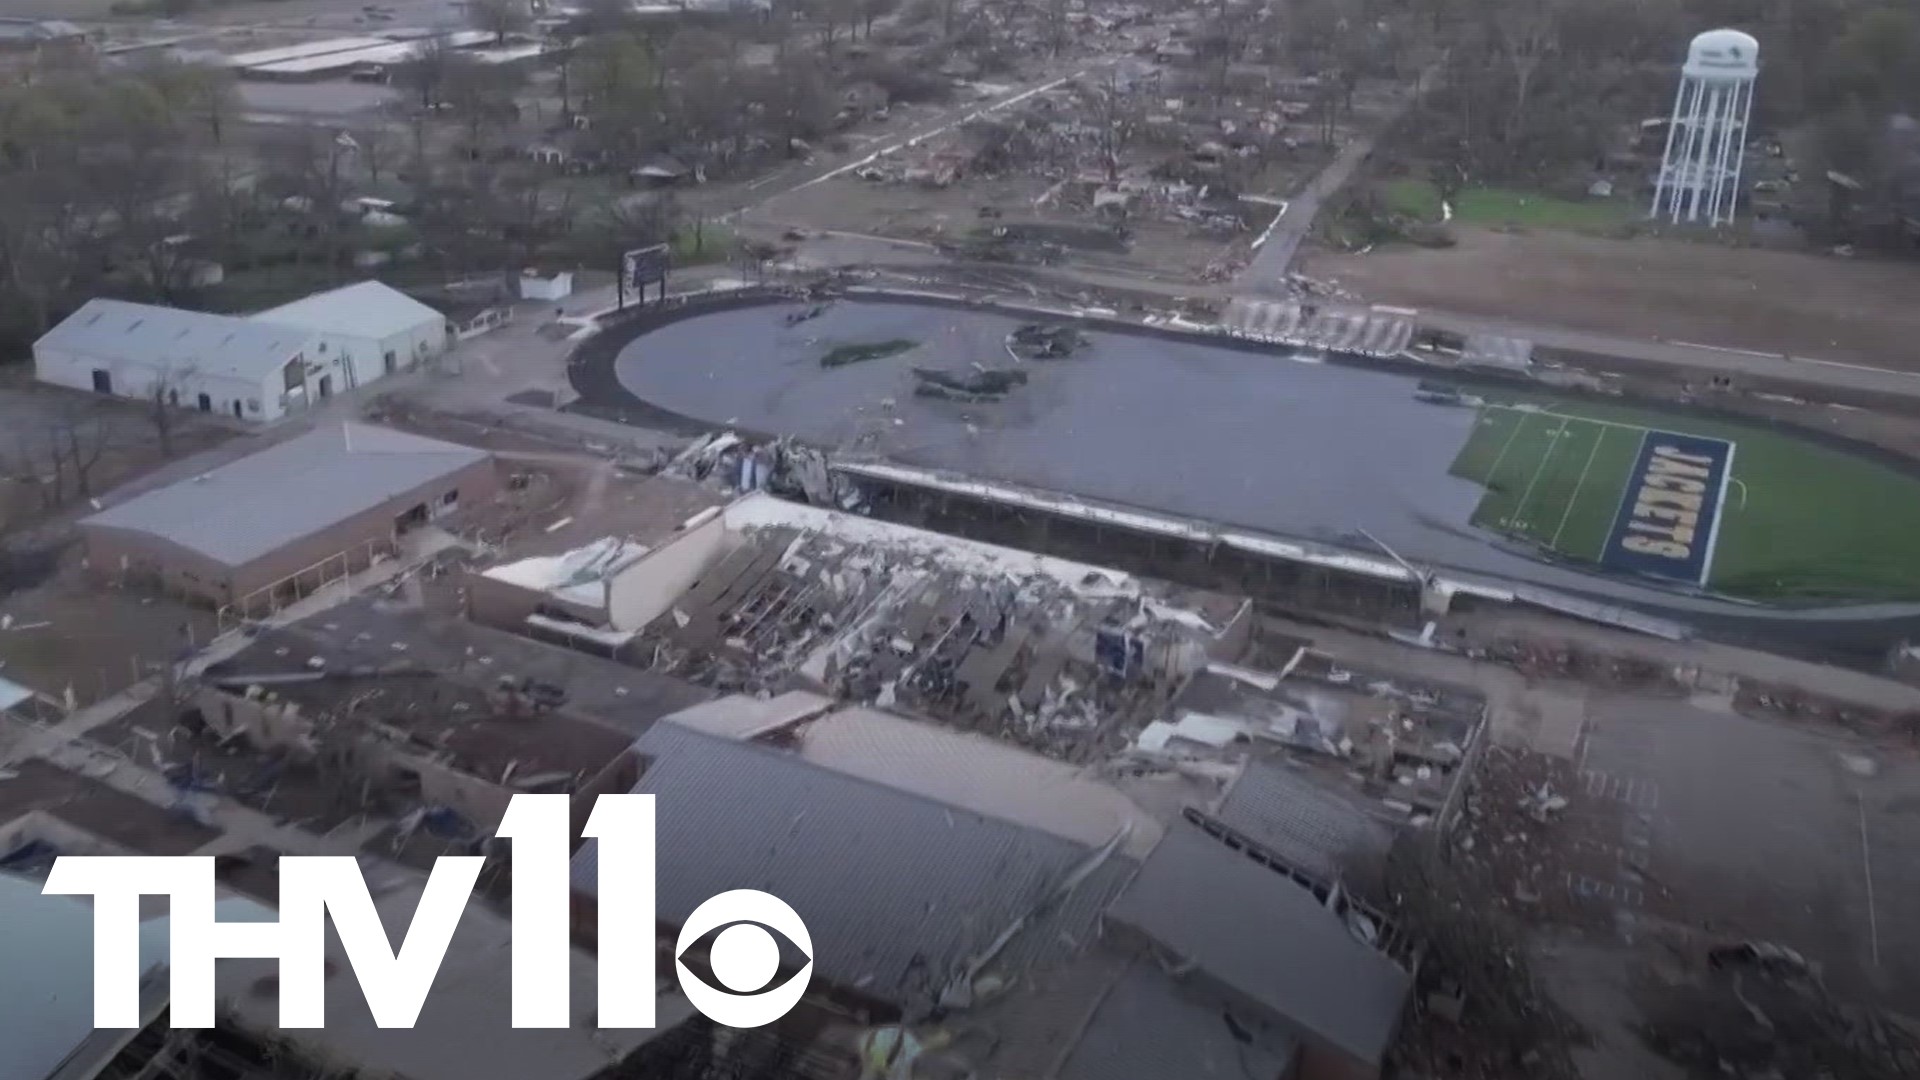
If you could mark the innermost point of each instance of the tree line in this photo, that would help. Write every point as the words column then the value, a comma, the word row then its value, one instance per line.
column 1531, row 87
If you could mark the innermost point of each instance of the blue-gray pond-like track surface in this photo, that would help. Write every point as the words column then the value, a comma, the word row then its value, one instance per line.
column 1264, row 440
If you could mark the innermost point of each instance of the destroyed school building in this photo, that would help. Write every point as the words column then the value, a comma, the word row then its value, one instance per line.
column 1043, row 818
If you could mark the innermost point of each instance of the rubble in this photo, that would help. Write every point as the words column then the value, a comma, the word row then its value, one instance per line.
column 1399, row 748
column 861, row 352
column 1059, row 657
column 1791, row 703
column 1045, row 341
column 979, row 384
column 795, row 318
column 1760, row 1017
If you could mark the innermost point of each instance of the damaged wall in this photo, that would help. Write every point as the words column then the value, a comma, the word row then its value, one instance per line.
column 647, row 590
column 505, row 605
column 267, row 724
column 481, row 801
column 57, row 833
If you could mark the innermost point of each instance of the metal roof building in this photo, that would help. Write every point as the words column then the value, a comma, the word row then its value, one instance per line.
column 365, row 331
column 1256, row 933
column 899, row 892
column 1320, row 831
column 217, row 362
column 149, row 333
column 1149, row 1027
column 46, row 978
column 31, row 33
column 341, row 489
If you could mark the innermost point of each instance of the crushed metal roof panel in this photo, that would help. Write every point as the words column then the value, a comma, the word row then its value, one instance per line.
column 1317, row 830
column 998, row 640
column 177, row 340
column 1149, row 1028
column 743, row 716
column 981, row 773
column 898, row 891
column 12, row 693
column 1266, row 937
column 366, row 309
column 247, row 508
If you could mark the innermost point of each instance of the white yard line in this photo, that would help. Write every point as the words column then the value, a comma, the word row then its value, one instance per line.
column 1626, row 493
column 1504, row 447
column 1866, row 864
column 1578, row 485
column 1520, row 510
column 1719, row 517
column 1570, row 416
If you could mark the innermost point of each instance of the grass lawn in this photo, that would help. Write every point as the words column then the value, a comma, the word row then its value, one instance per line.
column 1800, row 522
column 1420, row 200
column 711, row 242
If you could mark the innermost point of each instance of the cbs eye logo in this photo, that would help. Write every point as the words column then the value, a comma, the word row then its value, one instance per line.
column 744, row 958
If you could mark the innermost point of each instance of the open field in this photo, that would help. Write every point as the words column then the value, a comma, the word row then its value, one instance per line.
column 1493, row 206
column 1855, row 310
column 1796, row 519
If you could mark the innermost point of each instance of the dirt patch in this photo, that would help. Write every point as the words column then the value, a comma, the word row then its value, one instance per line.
column 69, row 633
column 49, row 436
column 1856, row 310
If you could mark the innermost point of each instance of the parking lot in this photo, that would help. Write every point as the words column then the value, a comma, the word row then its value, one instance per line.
column 1743, row 828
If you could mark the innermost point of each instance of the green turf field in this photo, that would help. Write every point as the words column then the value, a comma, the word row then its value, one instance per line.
column 1800, row 521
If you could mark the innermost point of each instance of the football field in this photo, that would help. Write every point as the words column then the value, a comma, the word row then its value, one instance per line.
column 1630, row 497
column 1551, row 478
column 1740, row 508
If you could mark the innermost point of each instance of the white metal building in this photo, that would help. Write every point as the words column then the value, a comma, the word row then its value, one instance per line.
column 215, row 363
column 365, row 331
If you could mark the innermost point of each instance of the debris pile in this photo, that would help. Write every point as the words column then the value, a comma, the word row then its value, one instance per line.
column 1792, row 703
column 977, row 384
column 1400, row 747
column 861, row 352
column 1045, row 341
column 1758, row 1009
column 781, row 466
column 1049, row 661
column 1537, row 658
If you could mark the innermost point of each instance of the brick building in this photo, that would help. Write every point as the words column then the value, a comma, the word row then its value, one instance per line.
column 307, row 510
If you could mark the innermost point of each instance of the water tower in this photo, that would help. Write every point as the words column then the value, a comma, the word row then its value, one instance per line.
column 1699, row 177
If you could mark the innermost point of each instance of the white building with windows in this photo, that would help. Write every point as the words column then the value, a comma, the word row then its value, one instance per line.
column 365, row 331
column 191, row 359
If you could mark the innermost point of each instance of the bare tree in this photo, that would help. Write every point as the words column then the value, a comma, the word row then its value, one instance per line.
column 482, row 95
column 1529, row 32
column 501, row 18
column 215, row 100
column 86, row 442
column 875, row 9
column 163, row 397
column 375, row 150
column 426, row 71
column 1115, row 111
